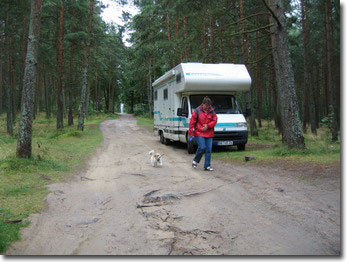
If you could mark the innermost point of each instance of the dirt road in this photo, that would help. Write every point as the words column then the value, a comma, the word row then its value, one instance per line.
column 121, row 205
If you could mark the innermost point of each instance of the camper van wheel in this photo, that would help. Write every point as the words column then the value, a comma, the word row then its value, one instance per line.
column 163, row 140
column 241, row 147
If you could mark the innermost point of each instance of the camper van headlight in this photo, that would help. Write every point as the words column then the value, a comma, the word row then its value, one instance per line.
column 241, row 124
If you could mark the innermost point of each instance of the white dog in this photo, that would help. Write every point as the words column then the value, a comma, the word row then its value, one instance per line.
column 156, row 158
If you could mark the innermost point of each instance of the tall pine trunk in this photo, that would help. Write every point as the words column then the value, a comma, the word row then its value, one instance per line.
column 82, row 109
column 60, row 35
column 289, row 110
column 24, row 143
column 7, row 78
column 329, row 57
column 259, row 83
column 1, row 75
column 71, row 84
column 248, row 97
column 308, row 87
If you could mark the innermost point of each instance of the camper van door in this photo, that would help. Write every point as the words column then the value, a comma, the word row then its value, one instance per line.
column 184, row 123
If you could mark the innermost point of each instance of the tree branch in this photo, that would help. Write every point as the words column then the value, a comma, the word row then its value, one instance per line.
column 273, row 14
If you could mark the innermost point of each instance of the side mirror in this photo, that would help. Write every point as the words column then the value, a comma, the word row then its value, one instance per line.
column 248, row 112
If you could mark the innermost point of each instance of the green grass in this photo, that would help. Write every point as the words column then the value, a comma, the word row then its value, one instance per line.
column 268, row 146
column 57, row 155
column 145, row 122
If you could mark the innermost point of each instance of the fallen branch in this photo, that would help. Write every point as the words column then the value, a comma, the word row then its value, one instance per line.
column 13, row 221
column 151, row 192
column 141, row 206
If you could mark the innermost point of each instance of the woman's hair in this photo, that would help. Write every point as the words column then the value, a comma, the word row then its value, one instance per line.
column 207, row 100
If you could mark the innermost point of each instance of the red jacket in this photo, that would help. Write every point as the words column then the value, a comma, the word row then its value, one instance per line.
column 209, row 118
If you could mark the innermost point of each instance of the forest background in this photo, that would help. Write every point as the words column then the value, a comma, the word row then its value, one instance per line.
column 84, row 67
column 60, row 64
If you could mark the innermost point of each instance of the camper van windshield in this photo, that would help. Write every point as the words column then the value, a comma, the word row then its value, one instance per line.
column 223, row 104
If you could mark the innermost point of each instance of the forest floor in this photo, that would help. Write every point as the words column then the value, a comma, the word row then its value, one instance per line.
column 121, row 205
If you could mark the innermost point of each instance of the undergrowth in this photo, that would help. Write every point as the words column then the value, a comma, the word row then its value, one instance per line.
column 268, row 146
column 57, row 155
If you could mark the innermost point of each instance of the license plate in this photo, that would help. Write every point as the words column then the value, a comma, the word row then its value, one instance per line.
column 225, row 143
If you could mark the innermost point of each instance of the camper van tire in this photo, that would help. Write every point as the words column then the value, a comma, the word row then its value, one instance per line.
column 241, row 147
column 163, row 140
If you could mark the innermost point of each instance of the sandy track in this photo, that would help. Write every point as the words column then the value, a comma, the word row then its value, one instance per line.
column 121, row 205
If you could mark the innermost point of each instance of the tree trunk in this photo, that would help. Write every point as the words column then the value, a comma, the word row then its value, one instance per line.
column 203, row 37
column 96, row 93
column 110, row 93
column 83, row 105
column 292, row 126
column 329, row 56
column 24, row 143
column 308, row 87
column 1, row 76
column 71, row 84
column 13, row 79
column 150, row 92
column 168, row 28
column 212, row 53
column 259, row 87
column 317, row 93
column 178, row 51
column 248, row 96
column 24, row 43
column 7, row 78
column 186, row 46
column 60, row 36
column 306, row 108
column 46, row 87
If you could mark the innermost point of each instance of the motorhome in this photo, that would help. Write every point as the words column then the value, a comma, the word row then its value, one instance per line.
column 180, row 90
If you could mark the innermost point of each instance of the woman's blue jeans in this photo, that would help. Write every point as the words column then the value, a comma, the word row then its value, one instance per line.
column 204, row 146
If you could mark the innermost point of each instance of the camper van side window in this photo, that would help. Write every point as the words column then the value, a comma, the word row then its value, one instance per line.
column 185, row 105
column 165, row 94
column 155, row 95
column 178, row 78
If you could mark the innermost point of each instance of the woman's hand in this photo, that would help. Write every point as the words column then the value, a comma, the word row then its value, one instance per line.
column 204, row 127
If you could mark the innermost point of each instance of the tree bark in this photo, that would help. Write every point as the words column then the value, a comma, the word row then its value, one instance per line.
column 71, row 84
column 1, row 75
column 24, row 43
column 186, row 46
column 24, row 143
column 310, row 99
column 60, row 36
column 292, row 126
column 259, row 87
column 203, row 37
column 96, row 93
column 329, row 56
column 7, row 78
column 46, row 87
column 248, row 96
column 82, row 110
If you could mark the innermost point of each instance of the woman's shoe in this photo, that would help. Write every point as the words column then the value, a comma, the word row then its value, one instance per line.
column 208, row 168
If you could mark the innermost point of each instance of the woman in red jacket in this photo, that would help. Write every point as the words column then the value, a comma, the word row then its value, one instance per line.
column 202, row 124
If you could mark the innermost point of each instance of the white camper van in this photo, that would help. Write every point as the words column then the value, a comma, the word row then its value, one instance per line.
column 179, row 91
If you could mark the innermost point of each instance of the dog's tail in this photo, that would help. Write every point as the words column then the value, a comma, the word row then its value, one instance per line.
column 151, row 152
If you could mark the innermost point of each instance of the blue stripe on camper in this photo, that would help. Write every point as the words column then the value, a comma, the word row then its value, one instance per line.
column 184, row 120
column 226, row 125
